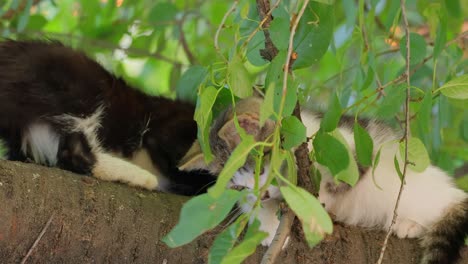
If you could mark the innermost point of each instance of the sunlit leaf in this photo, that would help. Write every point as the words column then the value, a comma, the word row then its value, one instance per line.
column 226, row 240
column 203, row 116
column 315, row 220
column 235, row 161
column 199, row 215
column 456, row 88
column 417, row 154
column 239, row 80
column 397, row 167
column 247, row 246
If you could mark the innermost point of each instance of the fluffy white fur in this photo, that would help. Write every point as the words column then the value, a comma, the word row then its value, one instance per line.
column 267, row 213
column 42, row 142
column 426, row 198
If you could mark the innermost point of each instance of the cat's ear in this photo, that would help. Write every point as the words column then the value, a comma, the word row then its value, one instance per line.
column 251, row 124
column 193, row 159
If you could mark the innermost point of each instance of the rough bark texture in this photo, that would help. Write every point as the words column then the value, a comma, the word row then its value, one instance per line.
column 102, row 222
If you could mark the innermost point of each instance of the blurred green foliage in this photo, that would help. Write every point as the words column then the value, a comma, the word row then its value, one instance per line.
column 153, row 43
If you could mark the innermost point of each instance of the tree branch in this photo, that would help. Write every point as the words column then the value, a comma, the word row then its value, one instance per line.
column 270, row 51
column 103, row 222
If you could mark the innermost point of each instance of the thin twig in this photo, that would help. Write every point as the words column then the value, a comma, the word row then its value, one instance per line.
column 183, row 41
column 38, row 239
column 270, row 51
column 287, row 64
column 406, row 136
column 284, row 229
column 221, row 25
column 260, row 25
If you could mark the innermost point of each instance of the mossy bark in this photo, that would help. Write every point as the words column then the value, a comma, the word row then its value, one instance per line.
column 103, row 222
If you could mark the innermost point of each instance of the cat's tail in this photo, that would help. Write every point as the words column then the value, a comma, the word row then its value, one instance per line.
column 442, row 244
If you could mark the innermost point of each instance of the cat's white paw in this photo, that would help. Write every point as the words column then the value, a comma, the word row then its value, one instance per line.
column 406, row 228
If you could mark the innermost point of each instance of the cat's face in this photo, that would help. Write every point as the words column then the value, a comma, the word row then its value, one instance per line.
column 224, row 138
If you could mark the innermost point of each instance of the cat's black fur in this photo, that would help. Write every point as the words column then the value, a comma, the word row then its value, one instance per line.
column 43, row 80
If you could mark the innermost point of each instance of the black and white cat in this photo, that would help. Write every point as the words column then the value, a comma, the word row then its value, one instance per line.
column 60, row 108
column 431, row 207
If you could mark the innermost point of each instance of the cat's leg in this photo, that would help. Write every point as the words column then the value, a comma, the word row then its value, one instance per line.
column 407, row 228
column 72, row 150
column 111, row 168
column 76, row 154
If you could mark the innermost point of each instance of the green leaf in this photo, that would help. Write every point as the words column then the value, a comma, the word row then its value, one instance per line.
column 203, row 116
column 364, row 145
column 36, row 22
column 315, row 220
column 397, row 167
column 456, row 88
column 462, row 183
column 332, row 115
column 417, row 48
column 374, row 166
column 239, row 80
column 293, row 131
column 328, row 2
column 187, row 86
column 391, row 104
column 24, row 17
column 226, row 240
column 279, row 32
column 247, row 247
column 162, row 15
column 314, row 33
column 235, row 161
column 350, row 174
column 441, row 37
column 330, row 152
column 291, row 98
column 266, row 110
column 417, row 154
column 199, row 215
column 424, row 118
column 464, row 127
column 292, row 168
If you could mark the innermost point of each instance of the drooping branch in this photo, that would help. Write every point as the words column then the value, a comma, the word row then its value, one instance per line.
column 406, row 129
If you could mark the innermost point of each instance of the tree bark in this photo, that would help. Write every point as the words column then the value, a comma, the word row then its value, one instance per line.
column 102, row 222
